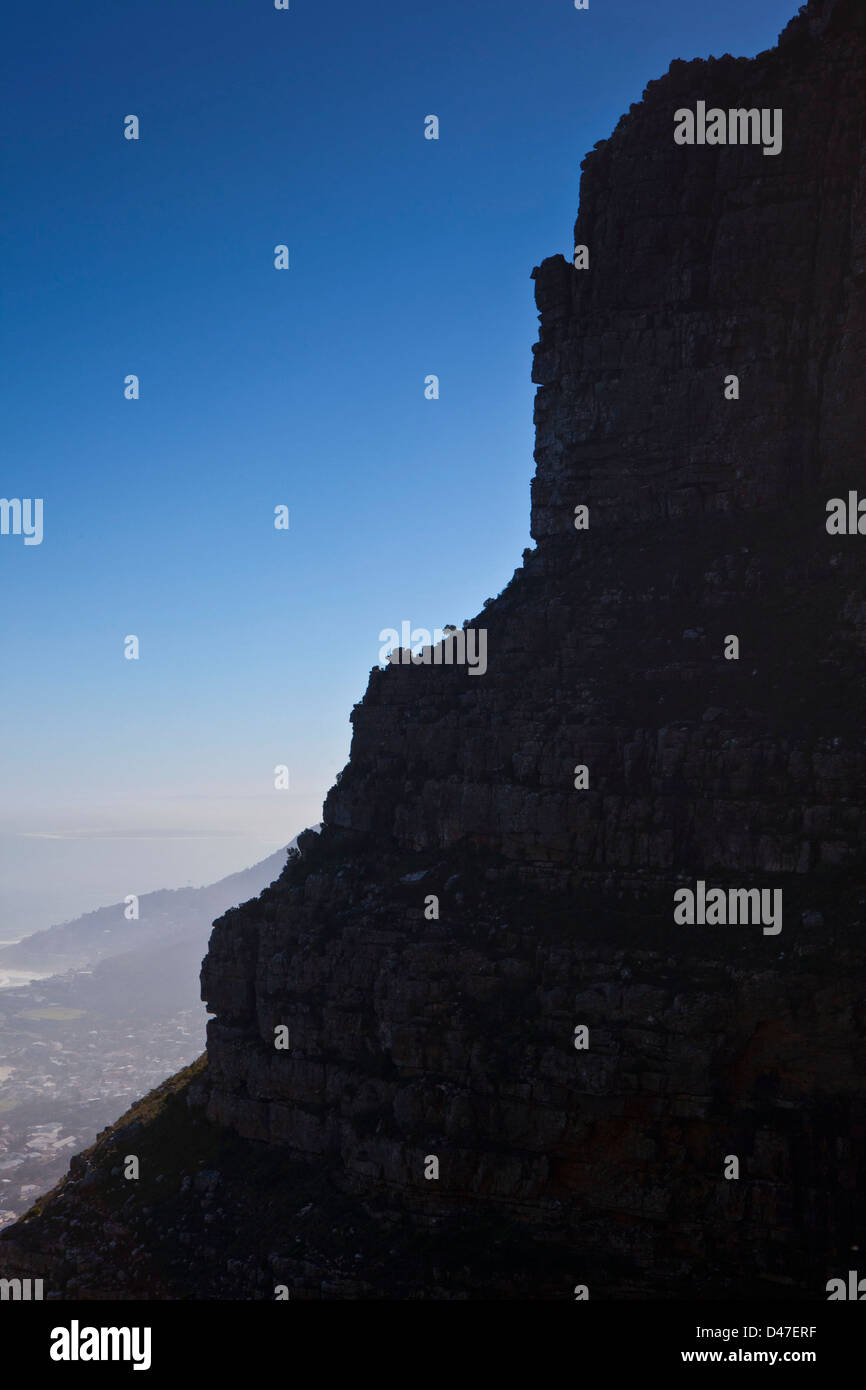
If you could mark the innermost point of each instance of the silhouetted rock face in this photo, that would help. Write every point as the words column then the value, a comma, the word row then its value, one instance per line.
column 707, row 518
column 706, row 261
column 412, row 1036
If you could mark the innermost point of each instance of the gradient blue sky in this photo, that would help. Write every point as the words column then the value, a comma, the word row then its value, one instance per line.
column 261, row 387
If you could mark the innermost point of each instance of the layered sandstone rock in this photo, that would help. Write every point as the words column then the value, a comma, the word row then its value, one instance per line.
column 413, row 1036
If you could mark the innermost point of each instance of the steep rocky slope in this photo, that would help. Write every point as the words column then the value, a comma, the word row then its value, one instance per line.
column 414, row 1037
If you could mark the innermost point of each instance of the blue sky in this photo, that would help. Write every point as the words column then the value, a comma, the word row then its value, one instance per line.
column 259, row 387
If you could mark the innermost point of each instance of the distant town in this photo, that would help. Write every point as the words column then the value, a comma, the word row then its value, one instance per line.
column 68, row 1072
column 94, row 1013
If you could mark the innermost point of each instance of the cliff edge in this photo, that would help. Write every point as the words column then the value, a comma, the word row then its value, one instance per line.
column 512, row 1064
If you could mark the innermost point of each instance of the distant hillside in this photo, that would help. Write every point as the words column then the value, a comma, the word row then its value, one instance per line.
column 179, row 920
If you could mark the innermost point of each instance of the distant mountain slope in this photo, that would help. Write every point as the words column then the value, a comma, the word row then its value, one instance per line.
column 183, row 915
column 513, row 1065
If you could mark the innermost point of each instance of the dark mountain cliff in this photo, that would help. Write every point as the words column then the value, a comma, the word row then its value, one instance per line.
column 415, row 1037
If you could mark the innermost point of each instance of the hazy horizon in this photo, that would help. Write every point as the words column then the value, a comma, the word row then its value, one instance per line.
column 61, row 879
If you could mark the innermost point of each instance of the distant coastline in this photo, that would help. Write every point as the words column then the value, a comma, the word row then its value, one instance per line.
column 9, row 979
